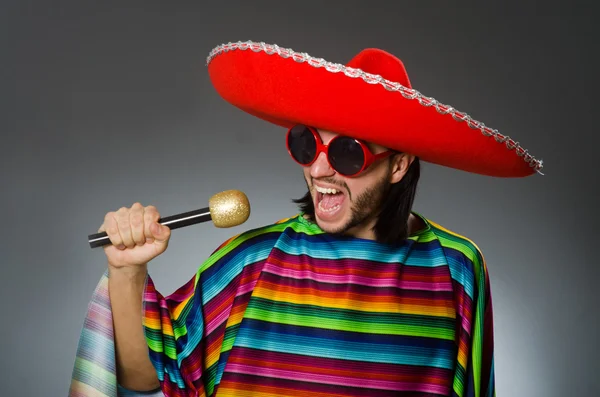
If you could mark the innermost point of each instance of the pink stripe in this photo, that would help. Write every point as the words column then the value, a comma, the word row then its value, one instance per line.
column 218, row 320
column 359, row 280
column 335, row 380
column 466, row 325
column 150, row 296
column 99, row 320
column 99, row 316
column 244, row 289
column 275, row 358
column 194, row 357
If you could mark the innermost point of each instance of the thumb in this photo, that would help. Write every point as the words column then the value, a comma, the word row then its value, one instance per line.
column 160, row 233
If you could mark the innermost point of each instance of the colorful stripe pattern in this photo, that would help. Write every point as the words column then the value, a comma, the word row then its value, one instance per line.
column 287, row 310
column 94, row 371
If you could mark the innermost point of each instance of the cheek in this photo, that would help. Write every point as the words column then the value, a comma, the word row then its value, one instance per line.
column 355, row 187
column 306, row 173
column 360, row 185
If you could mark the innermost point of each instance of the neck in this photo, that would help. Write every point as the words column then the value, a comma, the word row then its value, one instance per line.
column 365, row 230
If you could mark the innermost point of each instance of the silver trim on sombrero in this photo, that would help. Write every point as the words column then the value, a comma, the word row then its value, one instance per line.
column 406, row 92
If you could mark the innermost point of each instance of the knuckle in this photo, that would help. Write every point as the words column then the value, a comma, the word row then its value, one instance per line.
column 136, row 220
column 152, row 217
column 151, row 212
column 109, row 219
column 109, row 224
column 122, row 213
column 124, row 223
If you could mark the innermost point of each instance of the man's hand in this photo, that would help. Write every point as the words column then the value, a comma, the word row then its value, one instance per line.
column 136, row 236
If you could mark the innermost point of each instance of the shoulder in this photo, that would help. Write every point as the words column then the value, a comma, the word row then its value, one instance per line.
column 259, row 233
column 251, row 244
column 463, row 255
column 294, row 224
column 456, row 241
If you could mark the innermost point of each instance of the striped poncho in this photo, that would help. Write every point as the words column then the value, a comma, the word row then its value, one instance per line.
column 288, row 310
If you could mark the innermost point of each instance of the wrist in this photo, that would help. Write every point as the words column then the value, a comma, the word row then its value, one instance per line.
column 128, row 272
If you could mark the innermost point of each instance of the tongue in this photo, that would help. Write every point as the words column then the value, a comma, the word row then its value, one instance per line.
column 331, row 200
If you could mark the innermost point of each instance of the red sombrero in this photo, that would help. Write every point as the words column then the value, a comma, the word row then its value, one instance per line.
column 370, row 98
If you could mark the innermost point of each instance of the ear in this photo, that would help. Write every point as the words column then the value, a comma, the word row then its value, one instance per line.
column 399, row 165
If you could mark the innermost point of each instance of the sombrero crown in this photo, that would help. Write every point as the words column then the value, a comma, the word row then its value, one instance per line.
column 369, row 98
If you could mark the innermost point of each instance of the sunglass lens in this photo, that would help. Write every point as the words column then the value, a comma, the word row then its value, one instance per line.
column 346, row 155
column 302, row 144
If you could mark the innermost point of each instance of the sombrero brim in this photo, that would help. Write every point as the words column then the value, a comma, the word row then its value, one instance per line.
column 285, row 87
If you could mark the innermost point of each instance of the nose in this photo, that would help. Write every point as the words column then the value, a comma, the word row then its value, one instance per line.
column 321, row 168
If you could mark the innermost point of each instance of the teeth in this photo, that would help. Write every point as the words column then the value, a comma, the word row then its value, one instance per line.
column 330, row 209
column 326, row 191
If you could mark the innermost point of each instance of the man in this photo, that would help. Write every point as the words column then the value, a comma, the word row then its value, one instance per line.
column 356, row 295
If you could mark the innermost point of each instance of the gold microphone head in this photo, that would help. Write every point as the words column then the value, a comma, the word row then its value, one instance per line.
column 229, row 208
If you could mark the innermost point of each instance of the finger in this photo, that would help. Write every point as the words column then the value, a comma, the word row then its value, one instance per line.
column 112, row 230
column 124, row 226
column 136, row 220
column 160, row 233
column 151, row 215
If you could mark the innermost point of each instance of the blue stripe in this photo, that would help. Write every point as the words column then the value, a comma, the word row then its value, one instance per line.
column 195, row 328
column 228, row 268
column 343, row 350
column 461, row 270
column 321, row 248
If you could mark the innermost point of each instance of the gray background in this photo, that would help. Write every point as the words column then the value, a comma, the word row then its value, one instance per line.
column 104, row 104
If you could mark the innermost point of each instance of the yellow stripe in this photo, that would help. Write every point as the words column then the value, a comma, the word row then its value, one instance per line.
column 86, row 390
column 462, row 356
column 456, row 235
column 156, row 325
column 223, row 392
column 235, row 319
column 179, row 308
column 213, row 357
column 337, row 303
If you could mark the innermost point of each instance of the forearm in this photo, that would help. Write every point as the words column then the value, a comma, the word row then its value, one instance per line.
column 134, row 368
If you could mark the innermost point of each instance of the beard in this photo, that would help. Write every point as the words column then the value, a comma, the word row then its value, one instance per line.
column 364, row 208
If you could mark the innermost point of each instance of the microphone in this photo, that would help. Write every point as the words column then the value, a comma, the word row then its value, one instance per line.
column 225, row 209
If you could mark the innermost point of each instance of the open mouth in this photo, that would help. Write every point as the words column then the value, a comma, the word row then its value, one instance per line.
column 329, row 200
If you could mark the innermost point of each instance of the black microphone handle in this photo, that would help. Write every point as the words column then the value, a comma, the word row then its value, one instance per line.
column 172, row 222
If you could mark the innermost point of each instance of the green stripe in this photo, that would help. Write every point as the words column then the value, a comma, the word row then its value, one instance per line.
column 459, row 380
column 410, row 327
column 161, row 343
column 349, row 314
column 460, row 244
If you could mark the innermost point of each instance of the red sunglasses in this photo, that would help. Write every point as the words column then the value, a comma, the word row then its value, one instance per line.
column 346, row 155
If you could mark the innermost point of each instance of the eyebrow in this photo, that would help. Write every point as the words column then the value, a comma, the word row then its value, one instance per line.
column 371, row 146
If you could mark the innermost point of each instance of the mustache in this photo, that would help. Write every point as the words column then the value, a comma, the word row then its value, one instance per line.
column 331, row 181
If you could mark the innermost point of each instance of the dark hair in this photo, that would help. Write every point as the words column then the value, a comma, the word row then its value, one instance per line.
column 392, row 223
